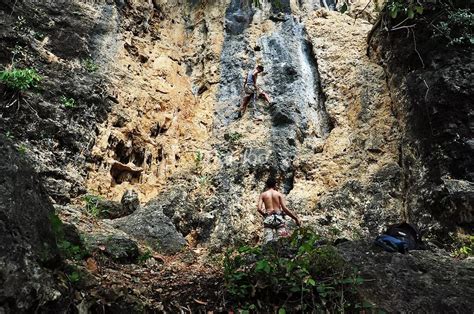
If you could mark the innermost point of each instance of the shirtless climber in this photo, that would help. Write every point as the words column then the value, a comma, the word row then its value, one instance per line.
column 270, row 205
column 251, row 89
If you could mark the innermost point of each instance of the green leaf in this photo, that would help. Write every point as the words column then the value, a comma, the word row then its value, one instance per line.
column 263, row 265
column 410, row 13
column 393, row 14
column 311, row 282
column 419, row 9
column 281, row 310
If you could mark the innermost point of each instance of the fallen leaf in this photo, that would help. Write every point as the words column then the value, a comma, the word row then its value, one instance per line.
column 91, row 265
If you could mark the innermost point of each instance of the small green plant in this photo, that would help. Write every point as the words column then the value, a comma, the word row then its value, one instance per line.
column 68, row 102
column 233, row 137
column 69, row 250
column 92, row 205
column 74, row 277
column 466, row 248
column 145, row 256
column 90, row 65
column 203, row 180
column 22, row 149
column 198, row 159
column 9, row 135
column 20, row 79
column 66, row 248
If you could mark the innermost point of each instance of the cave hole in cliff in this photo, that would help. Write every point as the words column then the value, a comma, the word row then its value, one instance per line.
column 159, row 156
column 158, row 129
column 149, row 159
column 122, row 173
column 126, row 154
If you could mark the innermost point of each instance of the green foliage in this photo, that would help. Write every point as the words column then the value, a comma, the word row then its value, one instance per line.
column 90, row 65
column 457, row 28
column 294, row 272
column 203, row 180
column 402, row 8
column 145, row 256
column 257, row 4
column 466, row 248
column 198, row 159
column 20, row 79
column 92, row 205
column 66, row 248
column 68, row 102
column 22, row 149
column 74, row 277
column 71, row 251
column 9, row 135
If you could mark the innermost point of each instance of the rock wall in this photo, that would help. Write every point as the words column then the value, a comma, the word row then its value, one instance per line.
column 65, row 42
column 28, row 251
column 431, row 91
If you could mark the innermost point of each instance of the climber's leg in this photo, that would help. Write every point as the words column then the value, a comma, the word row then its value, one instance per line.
column 244, row 105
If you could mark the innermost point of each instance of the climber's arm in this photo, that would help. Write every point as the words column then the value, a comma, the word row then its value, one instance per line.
column 287, row 211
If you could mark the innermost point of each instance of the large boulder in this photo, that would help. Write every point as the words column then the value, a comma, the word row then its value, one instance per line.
column 116, row 247
column 419, row 281
column 150, row 224
column 27, row 243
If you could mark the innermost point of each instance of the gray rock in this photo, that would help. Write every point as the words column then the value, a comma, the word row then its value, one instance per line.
column 130, row 202
column 27, row 242
column 118, row 248
column 112, row 210
column 109, row 209
column 152, row 225
column 419, row 281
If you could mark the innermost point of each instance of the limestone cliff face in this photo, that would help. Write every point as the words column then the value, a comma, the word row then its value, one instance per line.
column 329, row 135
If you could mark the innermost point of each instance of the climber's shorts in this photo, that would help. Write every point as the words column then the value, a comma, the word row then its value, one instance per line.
column 250, row 89
column 274, row 227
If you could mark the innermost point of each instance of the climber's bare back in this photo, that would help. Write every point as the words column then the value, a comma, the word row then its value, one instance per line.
column 271, row 199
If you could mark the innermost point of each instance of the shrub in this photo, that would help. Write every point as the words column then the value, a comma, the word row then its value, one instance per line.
column 295, row 273
column 457, row 28
column 145, row 256
column 20, row 79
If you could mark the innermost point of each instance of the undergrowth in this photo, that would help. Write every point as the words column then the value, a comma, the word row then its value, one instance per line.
column 294, row 274
column 67, row 249
column 20, row 79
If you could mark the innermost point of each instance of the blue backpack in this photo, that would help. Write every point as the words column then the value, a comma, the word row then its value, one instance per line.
column 400, row 238
column 391, row 244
